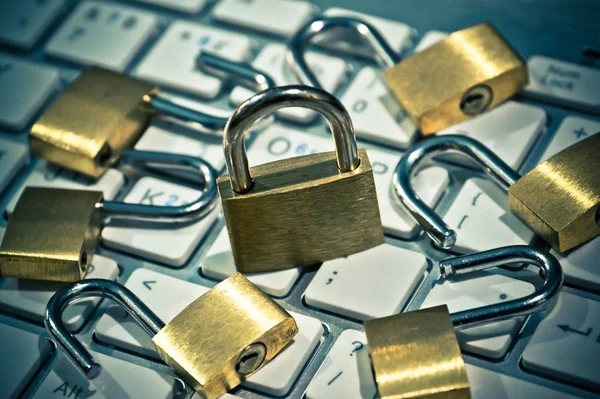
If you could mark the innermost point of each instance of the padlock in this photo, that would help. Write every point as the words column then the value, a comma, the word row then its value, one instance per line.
column 278, row 214
column 213, row 345
column 467, row 73
column 52, row 233
column 416, row 354
column 559, row 200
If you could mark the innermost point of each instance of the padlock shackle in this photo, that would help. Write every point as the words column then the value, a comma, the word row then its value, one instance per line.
column 59, row 333
column 433, row 224
column 171, row 214
column 550, row 271
column 267, row 102
column 295, row 56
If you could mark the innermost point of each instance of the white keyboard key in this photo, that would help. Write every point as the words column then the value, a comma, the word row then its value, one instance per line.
column 172, row 60
column 186, row 6
column 219, row 264
column 329, row 70
column 277, row 377
column 29, row 298
column 566, row 344
column 25, row 88
column 509, row 130
column 482, row 220
column 23, row 22
column 370, row 284
column 346, row 372
column 23, row 353
column 13, row 157
column 563, row 83
column 571, row 130
column 166, row 296
column 48, row 175
column 277, row 17
column 118, row 379
column 476, row 290
column 171, row 246
column 581, row 265
column 429, row 39
column 398, row 35
column 375, row 113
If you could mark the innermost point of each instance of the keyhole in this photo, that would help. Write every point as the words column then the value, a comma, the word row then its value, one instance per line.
column 476, row 100
column 251, row 358
column 105, row 156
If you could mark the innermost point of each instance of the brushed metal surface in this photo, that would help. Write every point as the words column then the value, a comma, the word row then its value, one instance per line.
column 53, row 242
column 301, row 211
column 430, row 85
column 560, row 198
column 203, row 343
column 416, row 355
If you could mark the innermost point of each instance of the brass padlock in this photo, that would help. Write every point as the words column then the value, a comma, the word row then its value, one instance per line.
column 416, row 354
column 278, row 214
column 559, row 200
column 213, row 345
column 52, row 233
column 467, row 73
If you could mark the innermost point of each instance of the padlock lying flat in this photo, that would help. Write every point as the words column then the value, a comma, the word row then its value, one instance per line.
column 214, row 344
column 416, row 354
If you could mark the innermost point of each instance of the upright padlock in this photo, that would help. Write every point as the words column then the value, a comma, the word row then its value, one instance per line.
column 416, row 354
column 559, row 200
column 213, row 345
column 302, row 210
column 469, row 72
column 52, row 233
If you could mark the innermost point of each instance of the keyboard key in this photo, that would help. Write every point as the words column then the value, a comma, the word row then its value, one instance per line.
column 277, row 17
column 352, row 286
column 48, row 175
column 580, row 265
column 24, row 22
column 482, row 220
column 25, row 88
column 375, row 113
column 398, row 35
column 23, row 353
column 118, row 379
column 509, row 130
column 172, row 245
column 102, row 34
column 429, row 39
column 571, row 130
column 476, row 290
column 346, row 372
column 29, row 298
column 563, row 83
column 186, row 6
column 219, row 264
column 329, row 70
column 13, row 157
column 565, row 345
column 172, row 60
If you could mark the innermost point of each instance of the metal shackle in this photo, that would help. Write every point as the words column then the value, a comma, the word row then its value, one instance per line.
column 172, row 214
column 271, row 100
column 368, row 34
column 243, row 74
column 550, row 271
column 433, row 224
column 59, row 333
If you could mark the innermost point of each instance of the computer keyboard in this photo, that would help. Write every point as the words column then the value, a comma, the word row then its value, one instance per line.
column 44, row 44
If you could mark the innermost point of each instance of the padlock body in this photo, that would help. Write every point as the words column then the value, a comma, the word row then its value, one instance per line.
column 301, row 211
column 98, row 115
column 203, row 343
column 51, row 235
column 470, row 71
column 560, row 198
column 416, row 355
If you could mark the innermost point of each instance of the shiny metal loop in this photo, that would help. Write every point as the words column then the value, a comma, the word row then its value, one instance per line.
column 59, row 333
column 433, row 224
column 242, row 74
column 171, row 214
column 295, row 55
column 550, row 271
column 271, row 100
